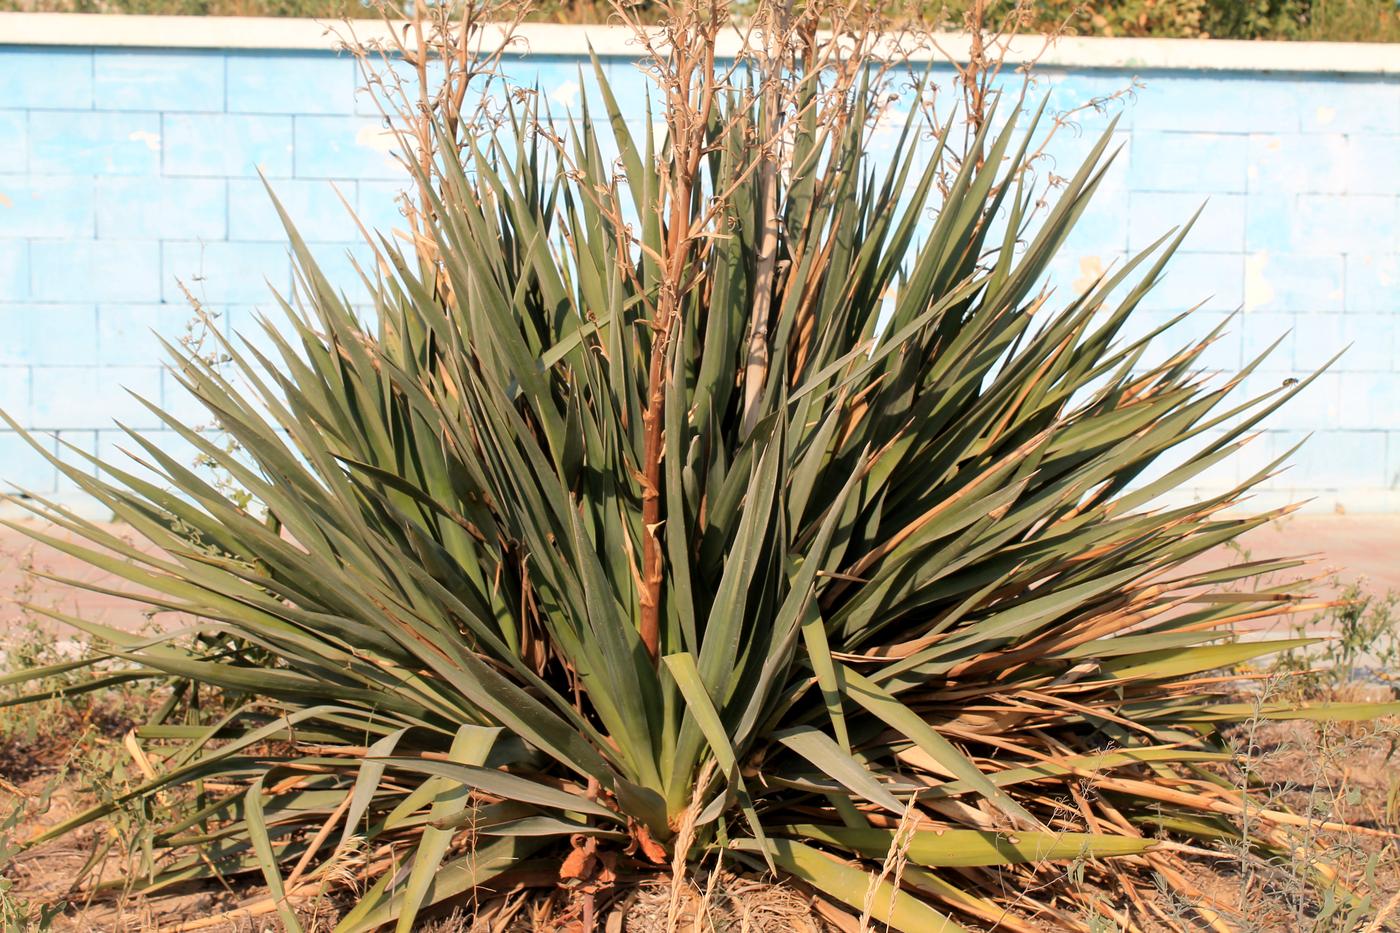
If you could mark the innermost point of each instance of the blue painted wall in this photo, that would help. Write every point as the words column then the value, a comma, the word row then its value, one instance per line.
column 123, row 172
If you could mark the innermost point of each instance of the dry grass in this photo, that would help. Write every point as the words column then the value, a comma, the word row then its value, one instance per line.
column 1345, row 773
column 1330, row 772
column 61, row 755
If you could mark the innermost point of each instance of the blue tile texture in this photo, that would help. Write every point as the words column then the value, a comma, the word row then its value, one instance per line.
column 94, row 142
column 224, row 145
column 295, row 83
column 1305, row 282
column 49, row 334
column 345, row 147
column 1191, row 162
column 219, row 272
column 14, row 270
column 14, row 141
column 157, row 80
column 314, row 205
column 14, row 390
column 26, row 470
column 127, row 173
column 96, row 270
column 47, row 78
column 162, row 208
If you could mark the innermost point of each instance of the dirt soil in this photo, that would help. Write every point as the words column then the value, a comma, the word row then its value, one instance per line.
column 63, row 757
column 1342, row 773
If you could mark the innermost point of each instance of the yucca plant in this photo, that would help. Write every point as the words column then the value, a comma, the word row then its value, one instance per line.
column 734, row 499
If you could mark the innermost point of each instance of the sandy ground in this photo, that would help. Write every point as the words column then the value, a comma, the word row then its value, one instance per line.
column 1363, row 549
column 1349, row 773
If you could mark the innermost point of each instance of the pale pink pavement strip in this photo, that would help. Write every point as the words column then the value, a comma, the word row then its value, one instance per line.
column 1353, row 548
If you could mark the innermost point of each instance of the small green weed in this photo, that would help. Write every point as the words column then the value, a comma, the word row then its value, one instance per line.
column 1361, row 644
column 20, row 913
column 67, row 739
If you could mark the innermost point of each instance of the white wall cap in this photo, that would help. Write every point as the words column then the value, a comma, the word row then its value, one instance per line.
column 240, row 32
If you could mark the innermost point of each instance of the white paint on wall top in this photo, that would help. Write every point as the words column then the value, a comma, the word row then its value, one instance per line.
column 250, row 32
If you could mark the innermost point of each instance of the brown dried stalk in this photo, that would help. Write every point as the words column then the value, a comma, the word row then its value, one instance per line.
column 689, row 88
column 776, row 25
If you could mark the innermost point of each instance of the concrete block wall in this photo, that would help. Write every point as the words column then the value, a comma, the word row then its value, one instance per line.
column 125, row 172
column 1300, row 234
